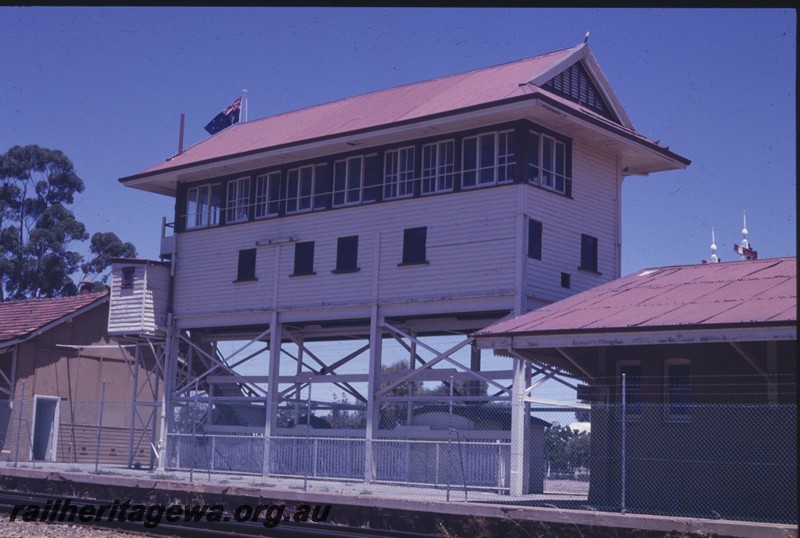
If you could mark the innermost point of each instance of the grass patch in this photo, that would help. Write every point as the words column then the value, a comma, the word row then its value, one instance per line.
column 163, row 476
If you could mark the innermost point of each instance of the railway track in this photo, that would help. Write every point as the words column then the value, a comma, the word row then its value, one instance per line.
column 228, row 527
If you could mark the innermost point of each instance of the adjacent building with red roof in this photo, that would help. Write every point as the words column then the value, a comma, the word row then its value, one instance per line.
column 709, row 358
column 55, row 355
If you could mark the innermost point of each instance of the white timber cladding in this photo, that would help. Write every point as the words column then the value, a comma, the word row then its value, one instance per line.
column 470, row 250
column 140, row 309
column 592, row 210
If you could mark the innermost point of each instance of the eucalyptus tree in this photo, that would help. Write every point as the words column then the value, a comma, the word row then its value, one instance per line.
column 38, row 230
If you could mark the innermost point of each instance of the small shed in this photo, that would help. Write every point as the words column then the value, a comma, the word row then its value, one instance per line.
column 139, row 297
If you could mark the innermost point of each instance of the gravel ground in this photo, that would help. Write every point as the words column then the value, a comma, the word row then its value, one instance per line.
column 22, row 529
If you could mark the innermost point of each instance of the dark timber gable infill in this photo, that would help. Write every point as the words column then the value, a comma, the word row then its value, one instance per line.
column 575, row 84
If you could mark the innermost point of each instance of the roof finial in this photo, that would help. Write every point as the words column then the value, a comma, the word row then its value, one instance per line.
column 713, row 258
column 745, row 243
column 744, row 250
column 586, row 38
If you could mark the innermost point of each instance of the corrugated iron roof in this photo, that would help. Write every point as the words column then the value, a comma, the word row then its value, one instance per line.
column 721, row 294
column 20, row 319
column 395, row 106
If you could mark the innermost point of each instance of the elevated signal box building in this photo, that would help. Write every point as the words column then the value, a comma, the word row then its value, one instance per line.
column 434, row 208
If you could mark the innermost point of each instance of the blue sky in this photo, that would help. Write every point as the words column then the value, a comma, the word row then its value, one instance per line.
column 107, row 85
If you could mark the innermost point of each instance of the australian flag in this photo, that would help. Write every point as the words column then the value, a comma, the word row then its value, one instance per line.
column 226, row 118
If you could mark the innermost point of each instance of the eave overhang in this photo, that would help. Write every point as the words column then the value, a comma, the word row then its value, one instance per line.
column 640, row 156
column 765, row 332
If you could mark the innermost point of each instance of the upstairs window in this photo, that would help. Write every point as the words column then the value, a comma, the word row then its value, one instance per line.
column 678, row 389
column 398, row 174
column 347, row 254
column 246, row 269
column 548, row 163
column 303, row 258
column 414, row 246
column 356, row 180
column 203, row 206
column 300, row 189
column 238, row 203
column 488, row 159
column 535, row 239
column 438, row 167
column 588, row 253
column 268, row 189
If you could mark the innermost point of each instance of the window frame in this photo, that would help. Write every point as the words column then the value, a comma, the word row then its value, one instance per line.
column 128, row 278
column 346, row 255
column 237, row 201
column 559, row 171
column 535, row 236
column 482, row 168
column 412, row 248
column 246, row 266
column 669, row 414
column 303, row 258
column 208, row 214
column 298, row 196
column 399, row 182
column 347, row 178
column 588, row 255
column 439, row 175
column 263, row 200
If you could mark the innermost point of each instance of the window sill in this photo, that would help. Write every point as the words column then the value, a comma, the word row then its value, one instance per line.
column 345, row 271
column 413, row 264
column 548, row 189
column 244, row 280
column 590, row 271
column 293, row 275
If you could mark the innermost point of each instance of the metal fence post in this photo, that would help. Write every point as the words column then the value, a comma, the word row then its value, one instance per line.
column 449, row 439
column 19, row 421
column 100, row 426
column 308, row 427
column 624, row 420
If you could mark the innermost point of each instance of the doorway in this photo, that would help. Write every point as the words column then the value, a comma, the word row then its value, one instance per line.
column 45, row 428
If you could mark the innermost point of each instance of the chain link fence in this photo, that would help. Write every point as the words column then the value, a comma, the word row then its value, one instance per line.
column 709, row 460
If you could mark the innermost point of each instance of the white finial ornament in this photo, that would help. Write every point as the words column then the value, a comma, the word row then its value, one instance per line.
column 744, row 250
column 713, row 258
column 745, row 243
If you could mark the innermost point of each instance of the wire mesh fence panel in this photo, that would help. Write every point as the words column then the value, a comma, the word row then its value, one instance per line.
column 731, row 461
column 707, row 460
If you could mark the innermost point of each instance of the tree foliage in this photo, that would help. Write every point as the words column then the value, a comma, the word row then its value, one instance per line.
column 37, row 229
column 104, row 246
column 566, row 449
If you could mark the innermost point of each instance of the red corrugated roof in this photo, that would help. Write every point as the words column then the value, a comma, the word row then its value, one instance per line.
column 412, row 101
column 19, row 319
column 721, row 294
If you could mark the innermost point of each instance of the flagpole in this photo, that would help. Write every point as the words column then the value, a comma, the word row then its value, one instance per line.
column 244, row 95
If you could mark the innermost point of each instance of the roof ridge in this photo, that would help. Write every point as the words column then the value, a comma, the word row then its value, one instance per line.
column 701, row 264
column 15, row 302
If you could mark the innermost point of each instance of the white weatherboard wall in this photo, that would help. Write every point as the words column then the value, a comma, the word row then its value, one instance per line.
column 592, row 210
column 471, row 250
